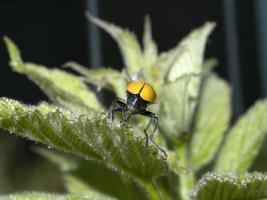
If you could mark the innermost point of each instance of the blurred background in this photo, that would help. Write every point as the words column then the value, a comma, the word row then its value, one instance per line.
column 53, row 32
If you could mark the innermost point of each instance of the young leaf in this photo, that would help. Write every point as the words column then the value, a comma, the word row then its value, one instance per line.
column 127, row 41
column 107, row 78
column 209, row 64
column 90, row 137
column 150, row 52
column 179, row 95
column 186, row 58
column 230, row 187
column 63, row 88
column 177, row 104
column 48, row 196
column 189, row 54
column 211, row 121
column 244, row 140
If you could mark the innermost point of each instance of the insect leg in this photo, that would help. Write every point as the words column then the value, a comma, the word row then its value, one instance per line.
column 127, row 116
column 116, row 106
column 147, row 127
column 154, row 118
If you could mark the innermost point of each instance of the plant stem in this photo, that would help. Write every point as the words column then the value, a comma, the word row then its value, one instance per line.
column 152, row 190
column 187, row 179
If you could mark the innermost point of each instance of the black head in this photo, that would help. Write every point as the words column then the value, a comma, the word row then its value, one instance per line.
column 135, row 103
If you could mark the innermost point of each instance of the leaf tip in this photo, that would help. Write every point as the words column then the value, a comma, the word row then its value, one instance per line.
column 147, row 22
column 88, row 15
column 14, row 53
column 94, row 19
column 209, row 26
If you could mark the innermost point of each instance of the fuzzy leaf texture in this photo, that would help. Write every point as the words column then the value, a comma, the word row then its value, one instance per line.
column 92, row 138
column 188, row 56
column 48, row 196
column 150, row 52
column 229, row 187
column 127, row 42
column 176, row 107
column 79, row 180
column 211, row 121
column 183, row 82
column 244, row 140
column 107, row 78
column 63, row 88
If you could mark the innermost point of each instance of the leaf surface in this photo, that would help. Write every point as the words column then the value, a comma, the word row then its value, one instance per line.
column 127, row 42
column 244, row 140
column 211, row 121
column 90, row 177
column 107, row 78
column 183, row 73
column 177, row 105
column 229, row 187
column 189, row 54
column 48, row 196
column 184, row 59
column 92, row 138
column 63, row 88
column 150, row 52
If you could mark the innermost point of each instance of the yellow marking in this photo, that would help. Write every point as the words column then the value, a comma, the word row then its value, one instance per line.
column 145, row 90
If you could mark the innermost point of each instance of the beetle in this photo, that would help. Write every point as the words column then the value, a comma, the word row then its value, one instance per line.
column 139, row 94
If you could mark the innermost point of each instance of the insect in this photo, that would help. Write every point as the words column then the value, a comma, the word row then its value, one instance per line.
column 139, row 94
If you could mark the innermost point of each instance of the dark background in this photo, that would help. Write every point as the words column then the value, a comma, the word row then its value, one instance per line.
column 54, row 32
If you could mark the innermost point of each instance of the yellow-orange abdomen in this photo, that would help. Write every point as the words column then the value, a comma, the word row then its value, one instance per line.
column 142, row 88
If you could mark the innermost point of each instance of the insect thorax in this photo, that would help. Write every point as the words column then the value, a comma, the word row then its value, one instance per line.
column 135, row 103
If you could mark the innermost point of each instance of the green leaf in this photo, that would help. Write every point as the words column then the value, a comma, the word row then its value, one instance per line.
column 189, row 54
column 168, row 185
column 186, row 58
column 90, row 137
column 105, row 181
column 244, row 140
column 209, row 64
column 48, row 196
column 107, row 78
column 177, row 105
column 150, row 51
column 184, row 71
column 127, row 41
column 76, row 186
column 229, row 187
column 63, row 88
column 211, row 121
column 89, row 177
